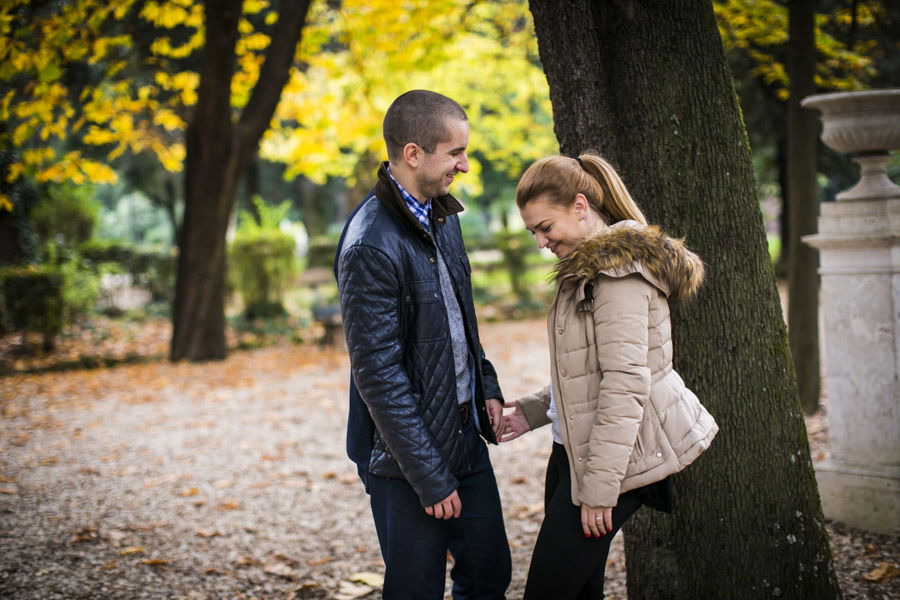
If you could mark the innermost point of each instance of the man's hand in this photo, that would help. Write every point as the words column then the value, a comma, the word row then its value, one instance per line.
column 448, row 508
column 514, row 423
column 495, row 414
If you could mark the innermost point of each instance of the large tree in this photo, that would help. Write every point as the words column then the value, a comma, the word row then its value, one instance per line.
column 219, row 149
column 646, row 83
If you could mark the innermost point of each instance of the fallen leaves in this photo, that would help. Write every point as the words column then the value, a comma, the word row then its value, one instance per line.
column 882, row 573
column 282, row 566
column 529, row 511
column 208, row 533
column 86, row 534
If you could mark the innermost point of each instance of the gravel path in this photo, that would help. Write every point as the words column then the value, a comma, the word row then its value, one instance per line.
column 229, row 480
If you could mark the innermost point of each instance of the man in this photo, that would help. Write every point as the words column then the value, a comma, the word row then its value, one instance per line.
column 422, row 389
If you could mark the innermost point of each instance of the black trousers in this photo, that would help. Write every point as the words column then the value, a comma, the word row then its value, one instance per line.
column 565, row 564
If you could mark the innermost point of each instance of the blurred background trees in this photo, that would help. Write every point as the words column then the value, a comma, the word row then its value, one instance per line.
column 97, row 100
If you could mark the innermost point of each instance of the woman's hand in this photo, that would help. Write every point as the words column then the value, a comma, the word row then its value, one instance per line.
column 596, row 522
column 515, row 423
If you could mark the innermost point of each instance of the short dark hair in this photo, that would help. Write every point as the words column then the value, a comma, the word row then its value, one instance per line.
column 418, row 117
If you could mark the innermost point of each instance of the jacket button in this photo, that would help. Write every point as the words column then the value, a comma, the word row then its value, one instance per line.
column 659, row 454
column 560, row 331
column 440, row 219
column 431, row 259
column 579, row 459
column 563, row 373
column 459, row 431
column 571, row 417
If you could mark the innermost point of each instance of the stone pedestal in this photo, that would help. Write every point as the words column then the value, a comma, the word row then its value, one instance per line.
column 859, row 250
column 859, row 246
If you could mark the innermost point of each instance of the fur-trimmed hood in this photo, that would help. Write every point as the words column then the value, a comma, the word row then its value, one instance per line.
column 631, row 247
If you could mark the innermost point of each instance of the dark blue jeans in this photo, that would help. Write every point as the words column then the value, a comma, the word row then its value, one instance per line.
column 414, row 545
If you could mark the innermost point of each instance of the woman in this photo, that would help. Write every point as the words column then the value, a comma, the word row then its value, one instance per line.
column 622, row 419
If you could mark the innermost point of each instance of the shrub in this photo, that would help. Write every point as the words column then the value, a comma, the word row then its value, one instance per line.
column 65, row 215
column 31, row 299
column 515, row 246
column 321, row 251
column 153, row 270
column 262, row 261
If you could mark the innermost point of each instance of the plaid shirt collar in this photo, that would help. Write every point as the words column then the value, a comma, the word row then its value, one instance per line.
column 421, row 211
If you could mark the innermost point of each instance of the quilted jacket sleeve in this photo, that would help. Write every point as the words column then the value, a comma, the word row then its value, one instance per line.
column 535, row 407
column 621, row 316
column 489, row 377
column 370, row 303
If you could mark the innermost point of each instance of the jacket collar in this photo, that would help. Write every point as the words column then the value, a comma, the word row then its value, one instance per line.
column 386, row 191
column 629, row 247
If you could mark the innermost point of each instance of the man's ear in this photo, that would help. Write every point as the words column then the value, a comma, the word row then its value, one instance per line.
column 412, row 154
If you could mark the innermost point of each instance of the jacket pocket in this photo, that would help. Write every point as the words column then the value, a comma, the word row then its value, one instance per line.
column 423, row 311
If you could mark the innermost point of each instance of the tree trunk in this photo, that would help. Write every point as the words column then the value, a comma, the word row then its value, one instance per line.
column 218, row 151
column 803, row 266
column 646, row 83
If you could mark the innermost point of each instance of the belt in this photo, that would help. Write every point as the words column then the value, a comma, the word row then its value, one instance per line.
column 465, row 410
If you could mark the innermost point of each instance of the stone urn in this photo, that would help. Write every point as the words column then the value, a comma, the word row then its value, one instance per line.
column 866, row 125
column 859, row 263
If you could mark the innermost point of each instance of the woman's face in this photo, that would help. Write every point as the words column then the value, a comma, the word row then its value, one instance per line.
column 556, row 227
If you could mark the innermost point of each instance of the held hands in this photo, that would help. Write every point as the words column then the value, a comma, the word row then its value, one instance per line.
column 596, row 522
column 514, row 423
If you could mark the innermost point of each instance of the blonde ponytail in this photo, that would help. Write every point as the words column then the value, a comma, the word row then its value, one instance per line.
column 616, row 202
column 558, row 179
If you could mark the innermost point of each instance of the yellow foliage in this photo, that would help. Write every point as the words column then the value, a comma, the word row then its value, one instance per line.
column 760, row 28
column 5, row 203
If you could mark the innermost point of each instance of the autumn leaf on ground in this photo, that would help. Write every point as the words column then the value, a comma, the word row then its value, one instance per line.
column 246, row 561
column 85, row 534
column 230, row 505
column 8, row 479
column 520, row 480
column 280, row 569
column 188, row 492
column 145, row 526
column 8, row 489
column 208, row 533
column 349, row 591
column 371, row 579
column 318, row 562
column 131, row 550
column 526, row 512
column 883, row 573
column 156, row 562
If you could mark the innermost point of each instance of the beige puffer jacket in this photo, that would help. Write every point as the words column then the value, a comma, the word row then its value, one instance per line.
column 626, row 417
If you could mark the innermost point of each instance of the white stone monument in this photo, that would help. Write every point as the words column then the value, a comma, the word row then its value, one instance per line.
column 859, row 247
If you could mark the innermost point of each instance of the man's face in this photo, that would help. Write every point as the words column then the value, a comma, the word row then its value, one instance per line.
column 438, row 168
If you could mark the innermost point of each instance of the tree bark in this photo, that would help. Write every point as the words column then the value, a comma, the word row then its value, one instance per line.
column 803, row 265
column 218, row 151
column 646, row 83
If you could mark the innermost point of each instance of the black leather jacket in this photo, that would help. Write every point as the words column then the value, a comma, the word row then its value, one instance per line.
column 404, row 421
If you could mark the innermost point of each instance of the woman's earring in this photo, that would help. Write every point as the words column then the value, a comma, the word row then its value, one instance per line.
column 581, row 217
